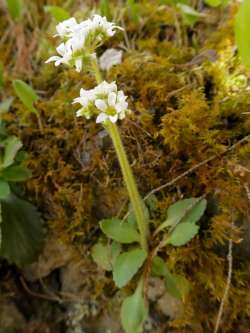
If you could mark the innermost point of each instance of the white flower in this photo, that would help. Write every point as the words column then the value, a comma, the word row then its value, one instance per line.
column 66, row 51
column 105, row 101
column 81, row 40
column 67, row 28
column 110, row 58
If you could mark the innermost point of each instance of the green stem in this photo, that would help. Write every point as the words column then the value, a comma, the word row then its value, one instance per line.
column 96, row 70
column 128, row 177
column 130, row 183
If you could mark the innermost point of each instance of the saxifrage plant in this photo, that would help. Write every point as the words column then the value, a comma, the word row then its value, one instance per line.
column 128, row 253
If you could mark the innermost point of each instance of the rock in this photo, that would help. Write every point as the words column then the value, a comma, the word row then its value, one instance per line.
column 170, row 306
column 156, row 288
column 73, row 278
column 11, row 319
column 55, row 255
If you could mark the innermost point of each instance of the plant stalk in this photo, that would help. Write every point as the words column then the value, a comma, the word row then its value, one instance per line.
column 128, row 176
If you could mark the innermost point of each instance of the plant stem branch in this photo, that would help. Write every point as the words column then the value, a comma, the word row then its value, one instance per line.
column 96, row 70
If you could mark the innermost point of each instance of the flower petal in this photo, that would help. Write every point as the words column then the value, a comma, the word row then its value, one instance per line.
column 79, row 113
column 100, row 104
column 78, row 64
column 54, row 58
column 101, row 118
column 111, row 99
column 114, row 118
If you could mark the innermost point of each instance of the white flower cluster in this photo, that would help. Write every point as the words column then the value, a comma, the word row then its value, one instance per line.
column 81, row 39
column 105, row 101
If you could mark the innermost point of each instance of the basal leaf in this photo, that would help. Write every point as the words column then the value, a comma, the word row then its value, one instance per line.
column 105, row 9
column 184, row 211
column 134, row 311
column 126, row 266
column 182, row 234
column 101, row 256
column 159, row 267
column 182, row 284
column 119, row 231
column 4, row 189
column 177, row 285
column 216, row 3
column 242, row 35
column 133, row 9
column 14, row 8
column 172, row 287
column 131, row 216
column 21, row 231
column 16, row 173
column 59, row 13
column 105, row 255
column 12, row 145
column 5, row 105
column 26, row 94
column 189, row 14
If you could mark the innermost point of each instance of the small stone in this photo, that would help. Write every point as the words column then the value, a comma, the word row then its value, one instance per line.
column 170, row 306
column 156, row 288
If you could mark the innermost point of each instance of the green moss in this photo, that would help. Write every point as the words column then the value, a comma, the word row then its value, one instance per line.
column 183, row 113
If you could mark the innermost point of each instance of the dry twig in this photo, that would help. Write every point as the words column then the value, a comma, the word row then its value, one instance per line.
column 226, row 291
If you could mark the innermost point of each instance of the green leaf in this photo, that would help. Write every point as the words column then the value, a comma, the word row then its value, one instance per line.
column 4, row 189
column 12, row 144
column 216, row 3
column 59, row 13
column 172, row 287
column 177, row 285
column 115, row 252
column 182, row 234
column 159, row 267
column 14, row 8
column 26, row 94
column 182, row 284
column 21, row 156
column 119, row 231
column 134, row 311
column 133, row 9
column 131, row 216
column 126, row 266
column 189, row 14
column 105, row 9
column 21, row 231
column 185, row 211
column 16, row 173
column 242, row 35
column 101, row 256
column 104, row 255
column 5, row 105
